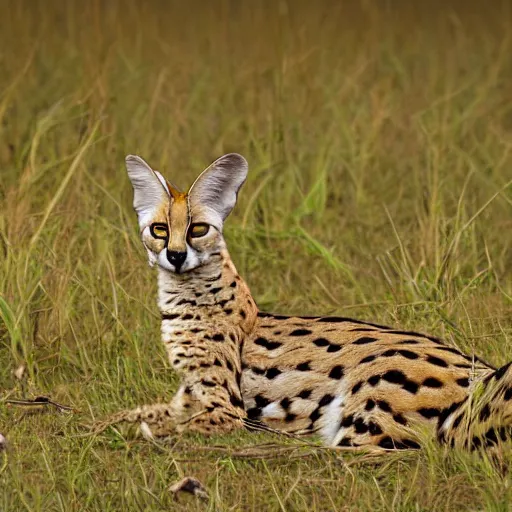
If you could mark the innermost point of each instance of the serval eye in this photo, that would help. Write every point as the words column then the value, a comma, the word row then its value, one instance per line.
column 199, row 230
column 159, row 231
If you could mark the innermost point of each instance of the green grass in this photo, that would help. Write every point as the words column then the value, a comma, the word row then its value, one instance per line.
column 379, row 143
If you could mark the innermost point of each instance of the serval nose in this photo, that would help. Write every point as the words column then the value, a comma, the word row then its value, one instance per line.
column 176, row 258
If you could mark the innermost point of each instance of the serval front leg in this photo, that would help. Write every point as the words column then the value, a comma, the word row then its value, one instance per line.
column 207, row 402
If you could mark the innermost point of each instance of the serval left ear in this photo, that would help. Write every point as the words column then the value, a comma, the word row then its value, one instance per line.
column 213, row 195
column 149, row 187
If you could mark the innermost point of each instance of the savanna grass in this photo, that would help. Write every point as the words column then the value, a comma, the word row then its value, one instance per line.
column 379, row 138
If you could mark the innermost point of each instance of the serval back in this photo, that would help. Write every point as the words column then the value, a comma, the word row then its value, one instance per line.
column 356, row 384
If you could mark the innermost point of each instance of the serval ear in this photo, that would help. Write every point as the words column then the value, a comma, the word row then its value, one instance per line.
column 213, row 194
column 149, row 187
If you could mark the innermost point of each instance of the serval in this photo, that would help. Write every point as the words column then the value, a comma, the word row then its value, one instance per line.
column 355, row 383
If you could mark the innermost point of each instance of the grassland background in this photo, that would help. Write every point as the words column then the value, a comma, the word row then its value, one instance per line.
column 379, row 138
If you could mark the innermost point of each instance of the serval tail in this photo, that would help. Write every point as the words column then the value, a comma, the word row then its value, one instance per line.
column 484, row 418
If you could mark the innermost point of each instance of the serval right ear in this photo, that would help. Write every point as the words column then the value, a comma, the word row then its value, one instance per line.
column 149, row 187
column 213, row 195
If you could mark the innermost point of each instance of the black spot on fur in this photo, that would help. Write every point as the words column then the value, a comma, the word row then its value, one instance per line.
column 315, row 414
column 218, row 337
column 410, row 386
column 233, row 284
column 254, row 413
column 432, row 382
column 216, row 290
column 394, row 377
column 374, row 380
column 272, row 373
column 504, row 433
column 508, row 394
column 490, row 437
column 437, row 361
column 290, row 417
column 408, row 354
column 334, row 319
column 357, row 387
column 387, row 442
column 300, row 332
column 170, row 316
column 389, row 353
column 360, row 426
column 183, row 302
column 258, row 371
column 406, row 444
column 367, row 359
column 261, row 401
column 485, row 412
column 370, row 404
column 336, row 372
column 303, row 367
column 364, row 340
column 346, row 441
column 498, row 374
column 409, row 342
column 305, row 394
column 384, row 406
column 347, row 421
column 236, row 402
column 325, row 400
column 321, row 342
column 400, row 419
column 187, row 316
column 208, row 383
column 374, row 428
column 229, row 365
column 462, row 365
column 285, row 403
column 243, row 314
column 269, row 345
column 464, row 382
column 333, row 348
column 457, row 421
column 429, row 412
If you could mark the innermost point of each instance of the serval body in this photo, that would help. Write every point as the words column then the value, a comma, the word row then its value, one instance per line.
column 356, row 384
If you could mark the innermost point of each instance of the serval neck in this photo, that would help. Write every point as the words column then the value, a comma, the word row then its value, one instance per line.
column 203, row 294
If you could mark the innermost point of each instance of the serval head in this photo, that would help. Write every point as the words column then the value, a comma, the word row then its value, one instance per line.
column 181, row 231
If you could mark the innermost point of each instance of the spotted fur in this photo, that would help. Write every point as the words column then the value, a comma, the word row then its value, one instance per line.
column 355, row 383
